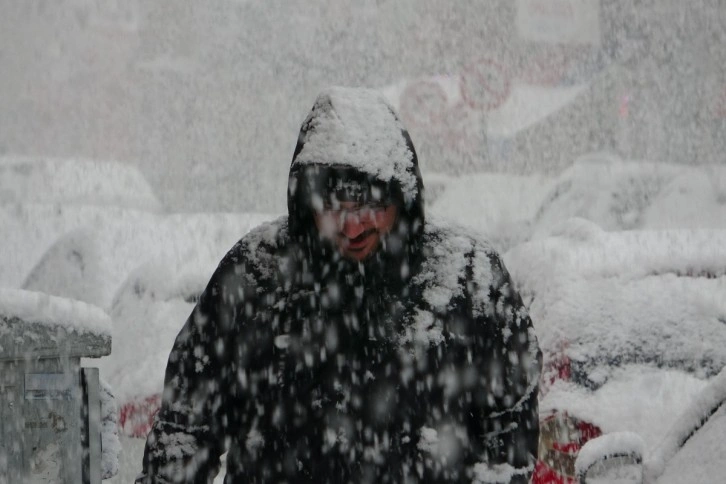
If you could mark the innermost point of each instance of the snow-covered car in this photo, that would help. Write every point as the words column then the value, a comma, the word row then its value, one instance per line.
column 622, row 194
column 601, row 187
column 44, row 200
column 102, row 247
column 692, row 450
column 148, row 311
column 62, row 181
column 632, row 325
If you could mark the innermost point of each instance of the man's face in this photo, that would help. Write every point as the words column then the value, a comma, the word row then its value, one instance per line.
column 355, row 229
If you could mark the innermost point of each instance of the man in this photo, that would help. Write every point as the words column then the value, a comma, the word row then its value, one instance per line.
column 352, row 340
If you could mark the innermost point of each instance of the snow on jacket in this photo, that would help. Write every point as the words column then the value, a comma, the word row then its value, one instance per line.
column 417, row 365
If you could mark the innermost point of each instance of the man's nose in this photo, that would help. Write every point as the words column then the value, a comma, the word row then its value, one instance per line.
column 352, row 226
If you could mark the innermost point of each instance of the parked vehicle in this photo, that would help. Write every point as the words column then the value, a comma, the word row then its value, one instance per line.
column 632, row 325
column 692, row 450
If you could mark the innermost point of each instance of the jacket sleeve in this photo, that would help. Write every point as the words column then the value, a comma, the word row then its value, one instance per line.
column 187, row 436
column 509, row 373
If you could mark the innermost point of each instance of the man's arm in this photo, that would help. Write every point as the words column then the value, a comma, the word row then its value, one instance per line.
column 187, row 436
column 511, row 422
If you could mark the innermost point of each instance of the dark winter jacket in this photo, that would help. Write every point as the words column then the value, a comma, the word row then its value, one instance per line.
column 417, row 365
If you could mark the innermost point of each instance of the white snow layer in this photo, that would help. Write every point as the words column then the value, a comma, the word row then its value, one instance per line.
column 658, row 295
column 74, row 181
column 358, row 127
column 499, row 206
column 35, row 307
column 700, row 425
column 635, row 398
column 711, row 399
column 702, row 458
column 623, row 195
column 618, row 444
column 86, row 252
column 611, row 193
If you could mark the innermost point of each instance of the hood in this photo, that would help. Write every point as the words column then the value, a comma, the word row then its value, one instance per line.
column 355, row 131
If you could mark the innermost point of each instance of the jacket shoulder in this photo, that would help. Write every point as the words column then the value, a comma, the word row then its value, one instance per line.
column 452, row 236
column 257, row 252
column 452, row 258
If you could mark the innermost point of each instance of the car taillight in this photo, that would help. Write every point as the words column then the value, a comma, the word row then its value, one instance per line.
column 558, row 366
column 136, row 417
column 561, row 438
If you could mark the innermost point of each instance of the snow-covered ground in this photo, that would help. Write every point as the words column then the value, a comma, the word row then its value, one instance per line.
column 609, row 247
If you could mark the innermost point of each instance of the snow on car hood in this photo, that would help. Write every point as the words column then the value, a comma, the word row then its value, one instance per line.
column 636, row 398
column 606, row 299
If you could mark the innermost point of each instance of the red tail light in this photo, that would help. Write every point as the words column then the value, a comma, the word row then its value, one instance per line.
column 137, row 416
column 561, row 438
column 557, row 367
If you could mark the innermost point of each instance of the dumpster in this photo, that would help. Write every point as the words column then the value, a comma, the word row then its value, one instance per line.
column 50, row 409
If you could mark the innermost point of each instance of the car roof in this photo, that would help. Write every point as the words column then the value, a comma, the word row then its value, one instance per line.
column 26, row 179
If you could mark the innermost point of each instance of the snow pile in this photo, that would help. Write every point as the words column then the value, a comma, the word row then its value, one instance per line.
column 692, row 448
column 580, row 249
column 74, row 181
column 39, row 308
column 357, row 127
column 606, row 190
column 696, row 198
column 145, row 269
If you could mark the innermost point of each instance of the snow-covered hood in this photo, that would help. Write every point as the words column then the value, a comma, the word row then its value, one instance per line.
column 355, row 128
column 606, row 299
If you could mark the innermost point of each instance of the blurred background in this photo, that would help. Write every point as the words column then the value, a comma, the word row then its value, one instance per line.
column 205, row 98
